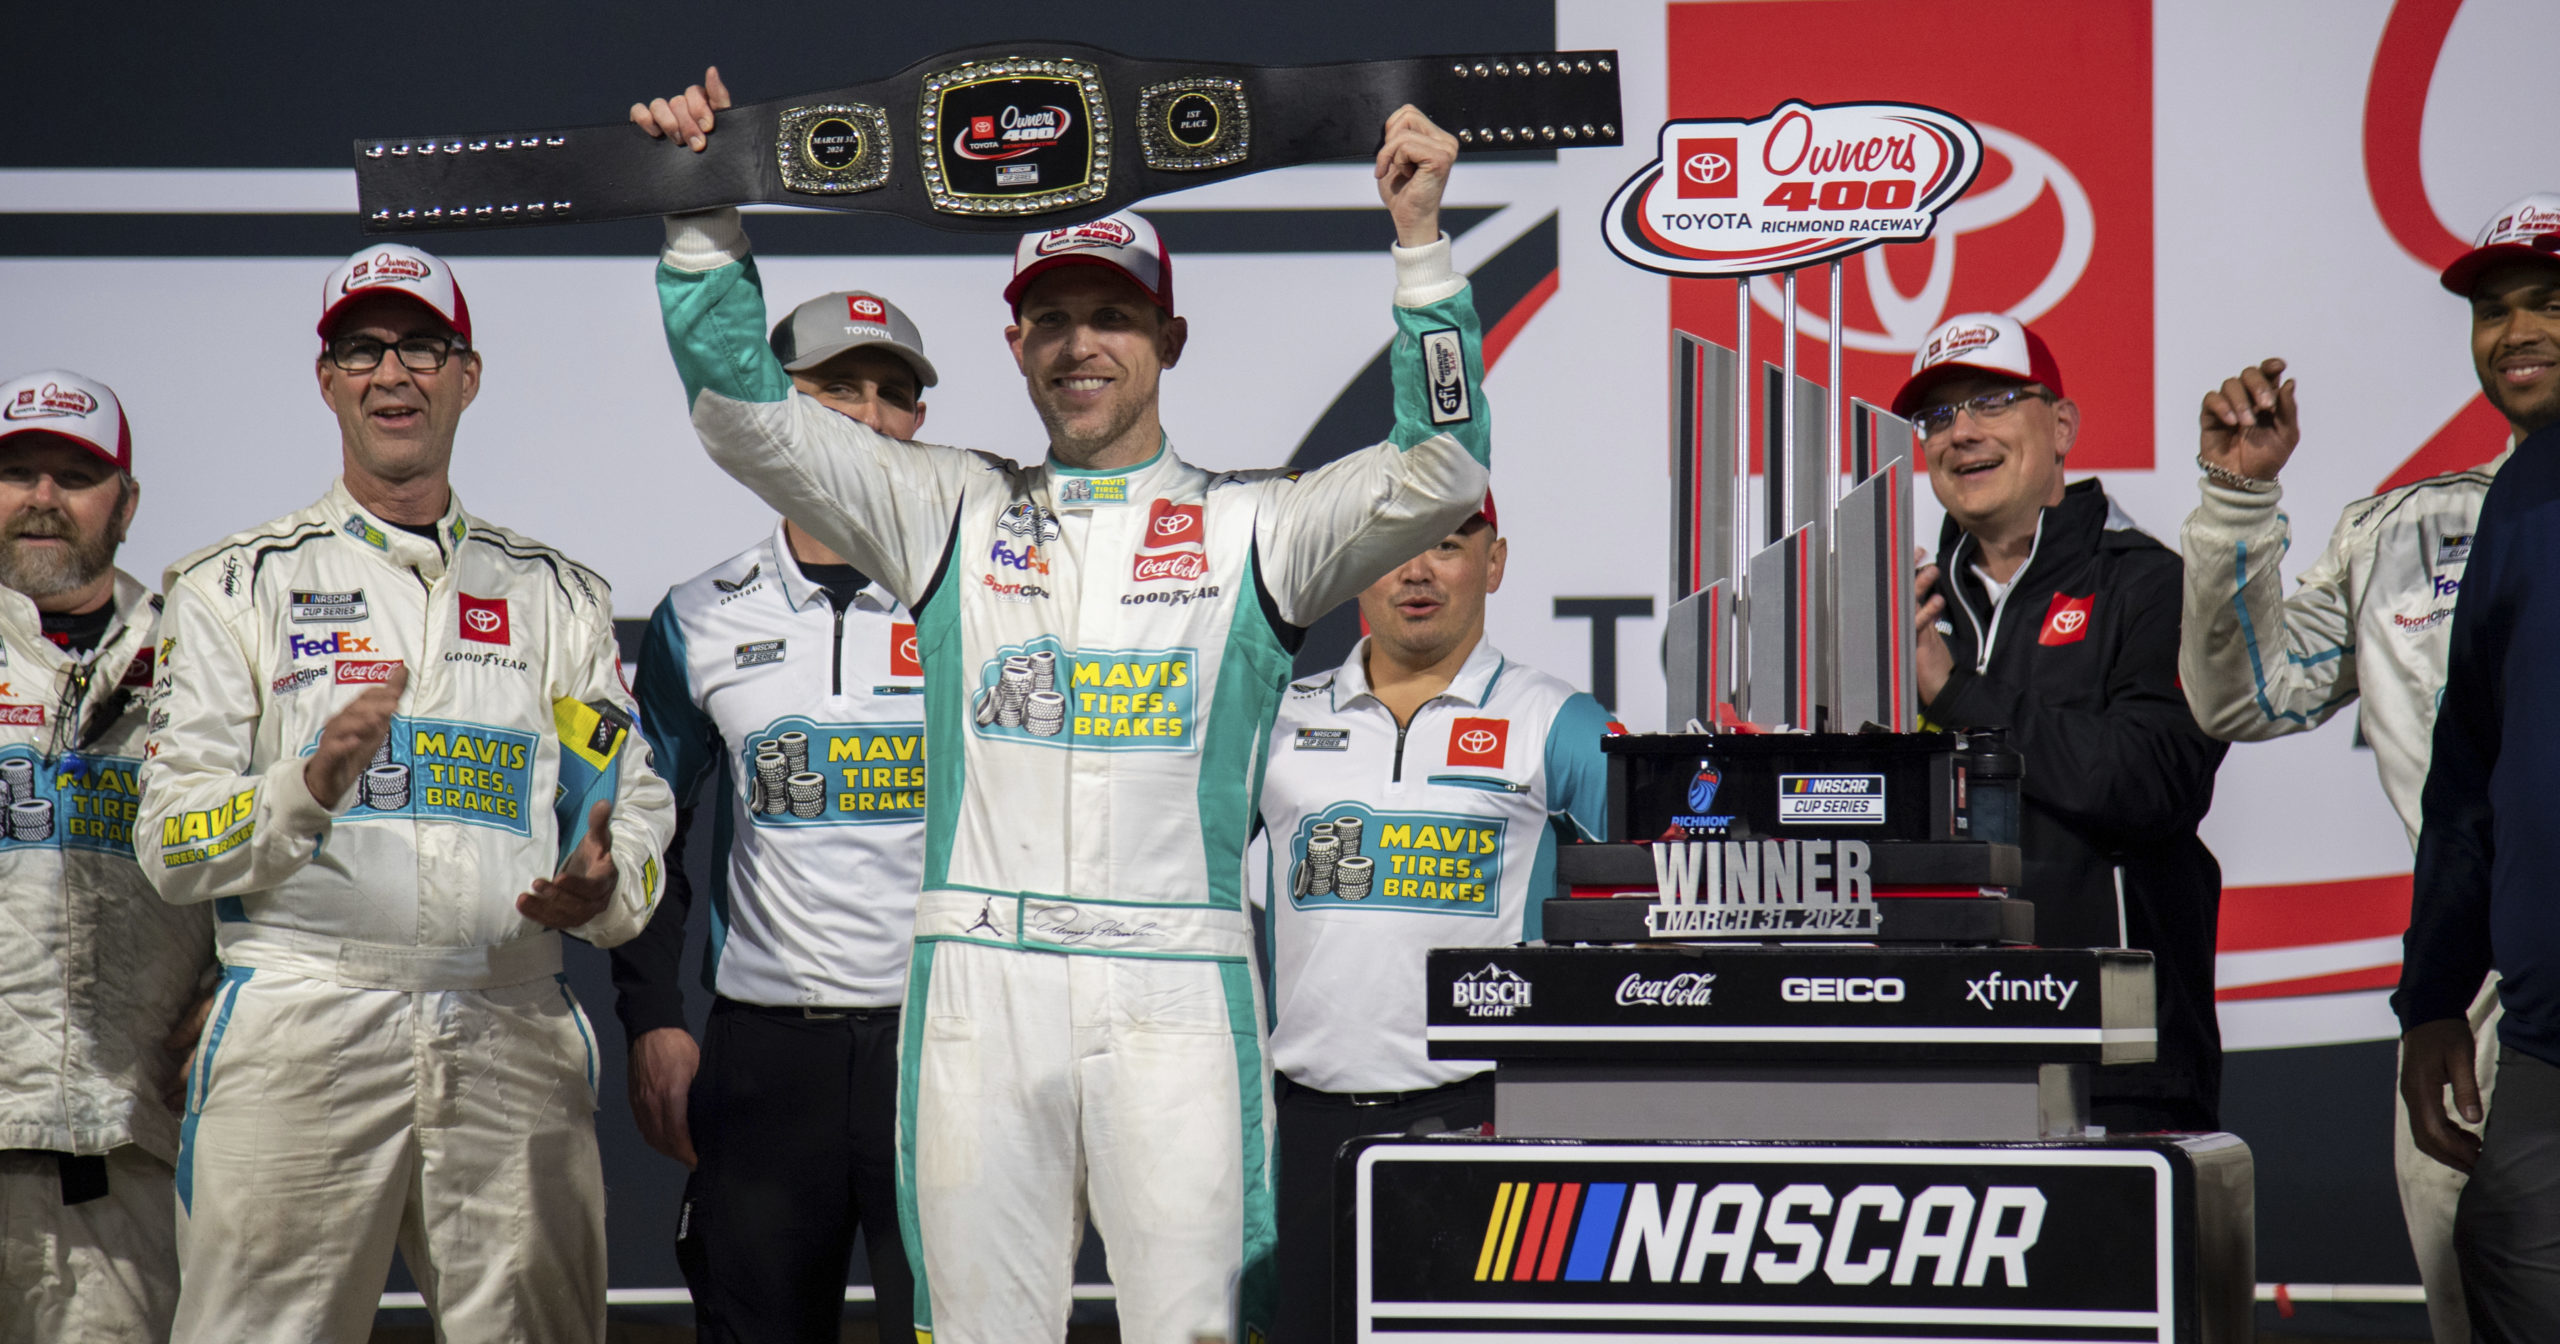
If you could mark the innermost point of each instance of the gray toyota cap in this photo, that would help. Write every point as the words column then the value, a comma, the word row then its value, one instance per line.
column 831, row 324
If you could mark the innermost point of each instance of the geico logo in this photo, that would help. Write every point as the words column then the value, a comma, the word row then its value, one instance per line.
column 337, row 641
column 1840, row 989
column 1956, row 1232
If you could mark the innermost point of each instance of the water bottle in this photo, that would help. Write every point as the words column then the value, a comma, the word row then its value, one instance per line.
column 1993, row 769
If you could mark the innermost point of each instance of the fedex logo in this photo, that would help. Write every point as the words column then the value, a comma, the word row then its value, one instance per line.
column 1549, row 1230
column 336, row 641
column 2447, row 587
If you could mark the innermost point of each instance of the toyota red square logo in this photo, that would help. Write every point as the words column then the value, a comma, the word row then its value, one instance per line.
column 904, row 658
column 484, row 619
column 1171, row 524
column 982, row 128
column 864, row 308
column 1706, row 168
column 2067, row 620
column 1478, row 741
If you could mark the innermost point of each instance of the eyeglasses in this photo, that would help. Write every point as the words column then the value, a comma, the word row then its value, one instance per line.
column 418, row 354
column 1988, row 408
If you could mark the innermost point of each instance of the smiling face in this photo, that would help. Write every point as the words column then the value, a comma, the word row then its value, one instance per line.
column 870, row 385
column 1432, row 605
column 2515, row 341
column 396, row 424
column 63, row 512
column 1092, row 347
column 1994, row 476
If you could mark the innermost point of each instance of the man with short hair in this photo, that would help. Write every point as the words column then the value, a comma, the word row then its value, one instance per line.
column 2369, row 624
column 2477, row 906
column 781, row 688
column 1413, row 800
column 96, row 972
column 394, row 756
column 1105, row 636
column 2055, row 618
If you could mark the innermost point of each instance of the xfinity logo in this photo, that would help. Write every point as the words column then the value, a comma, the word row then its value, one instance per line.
column 1689, row 989
column 1840, row 989
column 1996, row 989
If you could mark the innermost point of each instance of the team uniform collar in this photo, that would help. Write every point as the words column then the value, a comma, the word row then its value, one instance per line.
column 25, row 624
column 400, row 546
column 1087, row 488
column 800, row 590
column 1473, row 686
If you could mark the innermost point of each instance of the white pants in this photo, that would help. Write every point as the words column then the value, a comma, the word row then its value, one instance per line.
column 1033, row 1085
column 325, row 1124
column 2429, row 1189
column 102, row 1269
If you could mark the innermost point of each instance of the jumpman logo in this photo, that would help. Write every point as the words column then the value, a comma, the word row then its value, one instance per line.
column 986, row 920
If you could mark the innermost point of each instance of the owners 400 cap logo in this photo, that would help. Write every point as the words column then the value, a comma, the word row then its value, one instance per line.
column 1801, row 185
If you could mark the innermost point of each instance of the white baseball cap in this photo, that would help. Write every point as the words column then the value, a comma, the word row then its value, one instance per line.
column 2524, row 230
column 1992, row 343
column 1125, row 242
column 68, row 406
column 391, row 268
column 850, row 319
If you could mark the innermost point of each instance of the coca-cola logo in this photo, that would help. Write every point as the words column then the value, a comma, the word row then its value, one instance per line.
column 1177, row 565
column 1689, row 989
column 50, row 402
column 365, row 671
column 1101, row 233
column 386, row 268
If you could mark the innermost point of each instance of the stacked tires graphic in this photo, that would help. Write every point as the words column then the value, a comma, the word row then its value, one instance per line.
column 385, row 787
column 1334, row 865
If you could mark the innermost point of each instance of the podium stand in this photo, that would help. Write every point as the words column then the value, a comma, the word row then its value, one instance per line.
column 1881, row 1134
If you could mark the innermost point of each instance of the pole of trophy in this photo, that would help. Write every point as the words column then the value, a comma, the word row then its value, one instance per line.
column 1833, row 672
column 1698, row 664
column 1873, row 547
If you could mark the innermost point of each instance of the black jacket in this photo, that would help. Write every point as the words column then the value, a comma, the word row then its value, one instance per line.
column 2083, row 672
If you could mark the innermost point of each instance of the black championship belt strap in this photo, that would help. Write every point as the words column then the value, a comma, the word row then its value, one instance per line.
column 994, row 139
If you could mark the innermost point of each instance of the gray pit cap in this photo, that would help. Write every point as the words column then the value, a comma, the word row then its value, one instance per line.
column 831, row 324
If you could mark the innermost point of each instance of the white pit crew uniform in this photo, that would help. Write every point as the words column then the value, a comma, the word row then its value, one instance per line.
column 394, row 1055
column 1461, row 849
column 2372, row 620
column 1103, row 652
column 95, row 972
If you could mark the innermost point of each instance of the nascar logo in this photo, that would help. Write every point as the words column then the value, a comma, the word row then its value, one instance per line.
column 1551, row 1231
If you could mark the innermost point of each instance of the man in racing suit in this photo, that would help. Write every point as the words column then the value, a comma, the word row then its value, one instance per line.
column 1105, row 636
column 782, row 693
column 381, row 721
column 96, row 971
column 2371, row 618
column 1413, row 800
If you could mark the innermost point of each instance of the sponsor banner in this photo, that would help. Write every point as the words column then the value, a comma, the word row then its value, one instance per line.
column 365, row 671
column 72, row 802
column 310, row 607
column 1524, row 1240
column 335, row 642
column 800, row 772
column 1092, row 700
column 1361, row 858
column 1856, row 799
column 448, row 770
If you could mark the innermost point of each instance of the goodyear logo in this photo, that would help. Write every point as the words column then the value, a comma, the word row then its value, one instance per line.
column 1567, row 1231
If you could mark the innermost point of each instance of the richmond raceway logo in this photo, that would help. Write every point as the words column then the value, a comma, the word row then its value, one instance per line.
column 50, row 402
column 385, row 268
column 1012, row 133
column 1491, row 992
column 1101, row 233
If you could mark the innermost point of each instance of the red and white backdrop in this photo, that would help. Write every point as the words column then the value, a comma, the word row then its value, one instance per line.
column 2174, row 188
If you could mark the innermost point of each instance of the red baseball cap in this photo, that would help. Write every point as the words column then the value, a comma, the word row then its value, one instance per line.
column 1125, row 242
column 1485, row 511
column 2528, row 229
column 67, row 406
column 1992, row 343
column 391, row 268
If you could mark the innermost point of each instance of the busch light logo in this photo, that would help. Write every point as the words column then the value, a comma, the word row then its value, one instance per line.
column 1702, row 796
column 1492, row 992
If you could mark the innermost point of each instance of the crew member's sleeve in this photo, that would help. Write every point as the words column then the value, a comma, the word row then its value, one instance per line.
column 1329, row 533
column 2258, row 664
column 2446, row 952
column 643, row 809
column 885, row 505
column 1577, row 797
column 684, row 746
column 210, row 824
column 2138, row 763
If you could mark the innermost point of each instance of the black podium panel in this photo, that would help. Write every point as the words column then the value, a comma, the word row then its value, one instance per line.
column 2142, row 1238
column 1796, row 1004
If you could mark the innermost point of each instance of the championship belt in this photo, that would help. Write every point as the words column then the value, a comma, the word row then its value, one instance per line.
column 990, row 139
